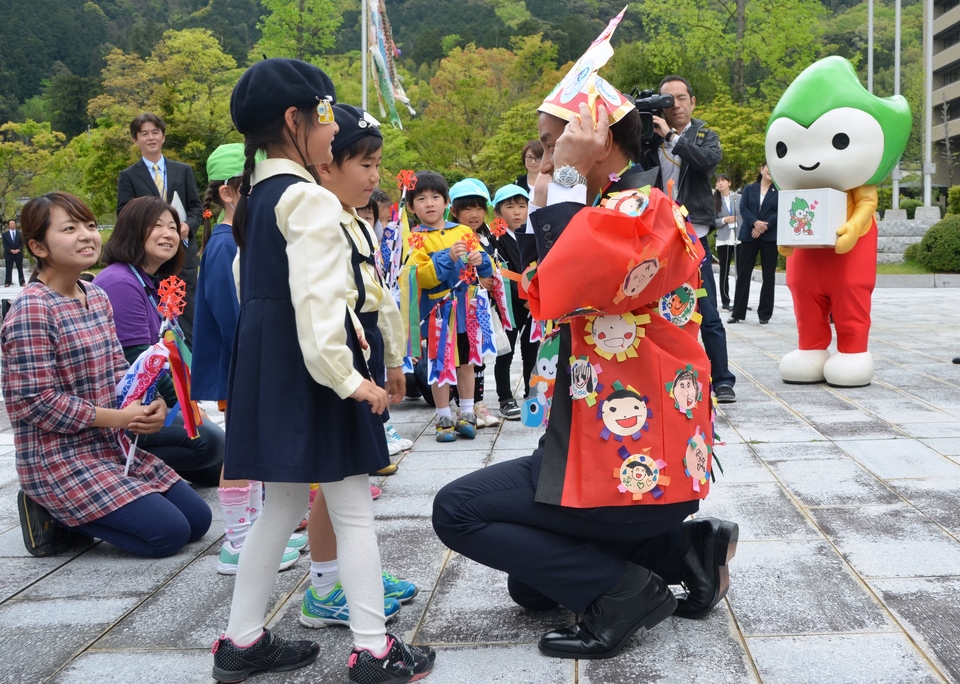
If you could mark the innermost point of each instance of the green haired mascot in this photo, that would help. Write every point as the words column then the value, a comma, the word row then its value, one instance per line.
column 827, row 131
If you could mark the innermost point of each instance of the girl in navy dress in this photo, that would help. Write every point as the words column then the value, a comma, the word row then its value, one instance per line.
column 301, row 404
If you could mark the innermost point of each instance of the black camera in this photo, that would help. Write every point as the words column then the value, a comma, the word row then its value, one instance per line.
column 648, row 104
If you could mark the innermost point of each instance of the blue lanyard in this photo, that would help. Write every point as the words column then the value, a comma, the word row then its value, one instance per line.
column 156, row 307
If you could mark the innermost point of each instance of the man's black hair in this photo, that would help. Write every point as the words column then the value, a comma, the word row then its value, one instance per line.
column 430, row 181
column 674, row 77
column 627, row 135
column 361, row 147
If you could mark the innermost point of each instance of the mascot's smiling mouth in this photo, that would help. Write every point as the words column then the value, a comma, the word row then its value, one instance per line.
column 809, row 168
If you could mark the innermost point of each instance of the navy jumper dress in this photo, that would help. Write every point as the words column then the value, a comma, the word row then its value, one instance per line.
column 282, row 425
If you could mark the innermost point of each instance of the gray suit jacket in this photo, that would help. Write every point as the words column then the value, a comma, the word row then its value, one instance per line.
column 725, row 231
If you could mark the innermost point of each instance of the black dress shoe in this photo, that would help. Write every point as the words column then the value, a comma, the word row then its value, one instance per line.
column 640, row 599
column 710, row 544
column 734, row 319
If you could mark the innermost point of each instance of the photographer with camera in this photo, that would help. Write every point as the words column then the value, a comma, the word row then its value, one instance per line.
column 687, row 153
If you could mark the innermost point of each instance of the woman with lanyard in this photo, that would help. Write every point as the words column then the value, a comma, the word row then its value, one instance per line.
column 144, row 248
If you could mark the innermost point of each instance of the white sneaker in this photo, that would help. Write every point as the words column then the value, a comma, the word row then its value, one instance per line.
column 484, row 417
column 394, row 436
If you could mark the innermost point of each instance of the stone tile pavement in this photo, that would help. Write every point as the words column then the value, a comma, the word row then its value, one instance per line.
column 848, row 568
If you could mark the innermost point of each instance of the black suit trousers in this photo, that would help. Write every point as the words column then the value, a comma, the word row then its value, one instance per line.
column 12, row 261
column 570, row 555
column 746, row 259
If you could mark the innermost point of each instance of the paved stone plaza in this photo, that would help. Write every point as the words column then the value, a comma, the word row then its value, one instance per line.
column 848, row 568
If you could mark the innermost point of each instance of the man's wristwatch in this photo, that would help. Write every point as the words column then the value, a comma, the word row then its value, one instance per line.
column 567, row 176
column 670, row 135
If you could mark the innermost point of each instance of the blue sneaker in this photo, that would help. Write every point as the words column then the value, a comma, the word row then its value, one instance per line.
column 467, row 425
column 445, row 430
column 394, row 588
column 299, row 542
column 317, row 612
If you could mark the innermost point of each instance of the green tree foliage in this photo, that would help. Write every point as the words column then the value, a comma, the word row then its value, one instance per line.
column 741, row 130
column 26, row 153
column 297, row 28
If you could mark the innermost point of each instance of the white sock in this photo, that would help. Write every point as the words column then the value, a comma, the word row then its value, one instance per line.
column 323, row 576
column 466, row 405
column 235, row 504
column 444, row 413
column 256, row 500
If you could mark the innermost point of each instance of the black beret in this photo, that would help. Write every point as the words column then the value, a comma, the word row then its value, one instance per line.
column 354, row 124
column 268, row 88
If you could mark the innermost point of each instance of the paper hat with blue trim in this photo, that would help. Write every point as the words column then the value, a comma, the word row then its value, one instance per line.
column 581, row 85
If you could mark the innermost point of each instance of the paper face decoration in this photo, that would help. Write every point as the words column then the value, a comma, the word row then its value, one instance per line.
column 616, row 335
column 678, row 307
column 581, row 85
column 629, row 202
column 641, row 474
column 624, row 414
column 584, row 379
column 686, row 391
column 695, row 460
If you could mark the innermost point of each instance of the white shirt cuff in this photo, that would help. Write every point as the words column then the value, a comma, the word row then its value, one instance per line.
column 557, row 194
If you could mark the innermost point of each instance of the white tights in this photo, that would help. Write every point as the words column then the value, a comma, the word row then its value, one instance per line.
column 351, row 512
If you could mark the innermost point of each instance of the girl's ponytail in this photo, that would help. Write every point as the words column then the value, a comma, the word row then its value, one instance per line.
column 209, row 199
column 240, row 215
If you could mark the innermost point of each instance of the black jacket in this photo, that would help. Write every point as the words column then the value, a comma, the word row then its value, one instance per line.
column 136, row 181
column 9, row 242
column 752, row 210
column 699, row 151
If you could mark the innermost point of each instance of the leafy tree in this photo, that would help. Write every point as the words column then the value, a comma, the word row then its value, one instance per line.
column 742, row 131
column 26, row 152
column 498, row 162
column 297, row 28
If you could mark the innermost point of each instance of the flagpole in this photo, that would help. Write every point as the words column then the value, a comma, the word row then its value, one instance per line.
column 364, row 32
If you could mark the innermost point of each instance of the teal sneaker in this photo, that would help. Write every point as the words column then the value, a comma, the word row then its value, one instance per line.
column 394, row 588
column 299, row 542
column 467, row 425
column 230, row 556
column 317, row 612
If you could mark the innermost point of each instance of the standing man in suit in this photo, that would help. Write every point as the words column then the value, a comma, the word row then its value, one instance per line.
column 13, row 252
column 687, row 153
column 158, row 176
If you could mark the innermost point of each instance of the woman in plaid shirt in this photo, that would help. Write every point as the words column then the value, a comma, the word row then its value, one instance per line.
column 61, row 363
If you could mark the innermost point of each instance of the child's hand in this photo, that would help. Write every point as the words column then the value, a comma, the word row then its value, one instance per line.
column 475, row 258
column 396, row 385
column 488, row 283
column 148, row 419
column 373, row 395
column 457, row 250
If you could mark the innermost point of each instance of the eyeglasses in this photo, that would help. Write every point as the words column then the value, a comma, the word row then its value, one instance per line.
column 528, row 159
column 325, row 110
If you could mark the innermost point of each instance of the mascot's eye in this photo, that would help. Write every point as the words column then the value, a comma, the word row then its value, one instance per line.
column 841, row 141
column 781, row 150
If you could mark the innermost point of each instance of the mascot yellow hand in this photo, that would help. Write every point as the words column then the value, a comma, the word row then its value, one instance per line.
column 861, row 205
column 784, row 250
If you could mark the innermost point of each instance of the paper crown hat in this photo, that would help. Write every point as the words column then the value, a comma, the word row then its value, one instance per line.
column 582, row 85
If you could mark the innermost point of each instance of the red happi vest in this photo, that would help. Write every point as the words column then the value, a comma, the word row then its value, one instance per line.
column 641, row 429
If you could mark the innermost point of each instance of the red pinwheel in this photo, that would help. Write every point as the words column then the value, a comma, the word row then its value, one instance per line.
column 467, row 274
column 416, row 240
column 472, row 242
column 172, row 292
column 498, row 227
column 407, row 180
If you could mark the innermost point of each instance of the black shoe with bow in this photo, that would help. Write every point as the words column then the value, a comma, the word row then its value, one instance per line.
column 640, row 599
column 708, row 545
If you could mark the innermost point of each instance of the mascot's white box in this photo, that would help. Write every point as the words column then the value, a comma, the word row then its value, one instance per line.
column 810, row 218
